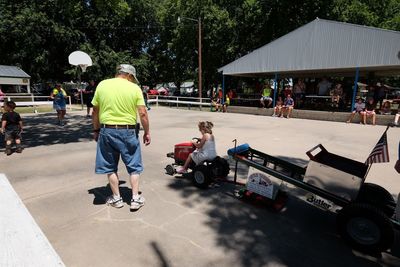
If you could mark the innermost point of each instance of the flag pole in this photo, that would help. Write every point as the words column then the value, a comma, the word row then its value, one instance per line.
column 369, row 167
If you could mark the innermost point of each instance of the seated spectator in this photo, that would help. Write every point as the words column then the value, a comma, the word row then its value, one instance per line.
column 220, row 93
column 288, row 106
column 216, row 103
column 359, row 107
column 278, row 107
column 369, row 111
column 386, row 108
column 336, row 95
column 227, row 101
column 266, row 99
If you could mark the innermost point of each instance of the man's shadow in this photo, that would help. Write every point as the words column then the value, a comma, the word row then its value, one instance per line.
column 101, row 193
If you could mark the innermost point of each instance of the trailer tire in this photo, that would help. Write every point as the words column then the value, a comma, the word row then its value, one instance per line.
column 376, row 196
column 201, row 176
column 365, row 227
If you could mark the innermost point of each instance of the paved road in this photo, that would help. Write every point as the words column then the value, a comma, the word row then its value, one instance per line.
column 181, row 225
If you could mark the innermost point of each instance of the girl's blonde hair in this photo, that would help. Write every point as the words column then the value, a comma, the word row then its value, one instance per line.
column 206, row 126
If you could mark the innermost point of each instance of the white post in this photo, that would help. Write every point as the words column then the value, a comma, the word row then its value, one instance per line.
column 33, row 104
column 69, row 103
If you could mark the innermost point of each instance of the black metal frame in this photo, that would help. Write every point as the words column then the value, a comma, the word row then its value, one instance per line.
column 270, row 164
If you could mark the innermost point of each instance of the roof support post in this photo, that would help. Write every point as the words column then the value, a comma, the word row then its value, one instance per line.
column 223, row 89
column 275, row 88
column 355, row 88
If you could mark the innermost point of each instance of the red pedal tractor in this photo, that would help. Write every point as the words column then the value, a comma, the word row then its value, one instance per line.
column 202, row 174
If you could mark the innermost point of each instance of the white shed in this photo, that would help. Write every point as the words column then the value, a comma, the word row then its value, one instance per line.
column 13, row 75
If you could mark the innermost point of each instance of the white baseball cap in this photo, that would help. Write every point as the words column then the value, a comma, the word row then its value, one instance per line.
column 129, row 69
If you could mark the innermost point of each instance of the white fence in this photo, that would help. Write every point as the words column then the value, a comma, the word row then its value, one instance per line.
column 177, row 101
column 30, row 100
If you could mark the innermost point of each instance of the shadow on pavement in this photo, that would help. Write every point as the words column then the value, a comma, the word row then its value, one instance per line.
column 101, row 193
column 298, row 235
column 160, row 254
column 42, row 130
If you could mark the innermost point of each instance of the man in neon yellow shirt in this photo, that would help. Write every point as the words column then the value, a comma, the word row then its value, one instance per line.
column 116, row 104
column 266, row 99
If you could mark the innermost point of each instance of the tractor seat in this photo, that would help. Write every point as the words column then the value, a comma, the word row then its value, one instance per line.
column 211, row 161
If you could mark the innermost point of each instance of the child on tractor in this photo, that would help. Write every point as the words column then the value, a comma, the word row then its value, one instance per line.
column 205, row 148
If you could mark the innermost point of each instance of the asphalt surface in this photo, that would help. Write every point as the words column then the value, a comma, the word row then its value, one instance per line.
column 181, row 225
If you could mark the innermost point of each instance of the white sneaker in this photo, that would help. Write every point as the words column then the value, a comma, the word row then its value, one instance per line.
column 115, row 202
column 181, row 170
column 137, row 203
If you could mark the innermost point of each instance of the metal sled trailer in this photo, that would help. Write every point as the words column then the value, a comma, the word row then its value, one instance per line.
column 365, row 212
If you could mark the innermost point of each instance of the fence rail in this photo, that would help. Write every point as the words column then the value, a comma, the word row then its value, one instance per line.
column 180, row 100
column 30, row 100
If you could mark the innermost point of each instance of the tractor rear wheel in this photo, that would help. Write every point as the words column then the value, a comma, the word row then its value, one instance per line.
column 201, row 176
column 220, row 167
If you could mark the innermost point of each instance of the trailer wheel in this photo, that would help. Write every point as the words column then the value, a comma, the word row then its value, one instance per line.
column 365, row 227
column 220, row 167
column 376, row 196
column 201, row 176
column 169, row 169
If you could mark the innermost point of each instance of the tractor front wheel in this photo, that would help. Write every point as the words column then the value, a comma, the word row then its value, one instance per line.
column 169, row 169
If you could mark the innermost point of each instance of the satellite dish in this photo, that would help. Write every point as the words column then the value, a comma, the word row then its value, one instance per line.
column 79, row 58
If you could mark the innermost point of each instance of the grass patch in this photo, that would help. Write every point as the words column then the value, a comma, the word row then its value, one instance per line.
column 43, row 109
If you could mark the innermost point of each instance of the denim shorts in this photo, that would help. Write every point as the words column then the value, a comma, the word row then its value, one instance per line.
column 115, row 143
column 11, row 135
column 59, row 106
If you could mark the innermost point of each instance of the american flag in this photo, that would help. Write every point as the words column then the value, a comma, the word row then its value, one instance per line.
column 380, row 153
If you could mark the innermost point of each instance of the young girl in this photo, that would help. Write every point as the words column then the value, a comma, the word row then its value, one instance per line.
column 278, row 107
column 386, row 109
column 205, row 149
column 369, row 111
column 58, row 95
column 359, row 107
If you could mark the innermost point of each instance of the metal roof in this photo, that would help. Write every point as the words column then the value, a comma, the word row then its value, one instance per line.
column 323, row 47
column 12, row 72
